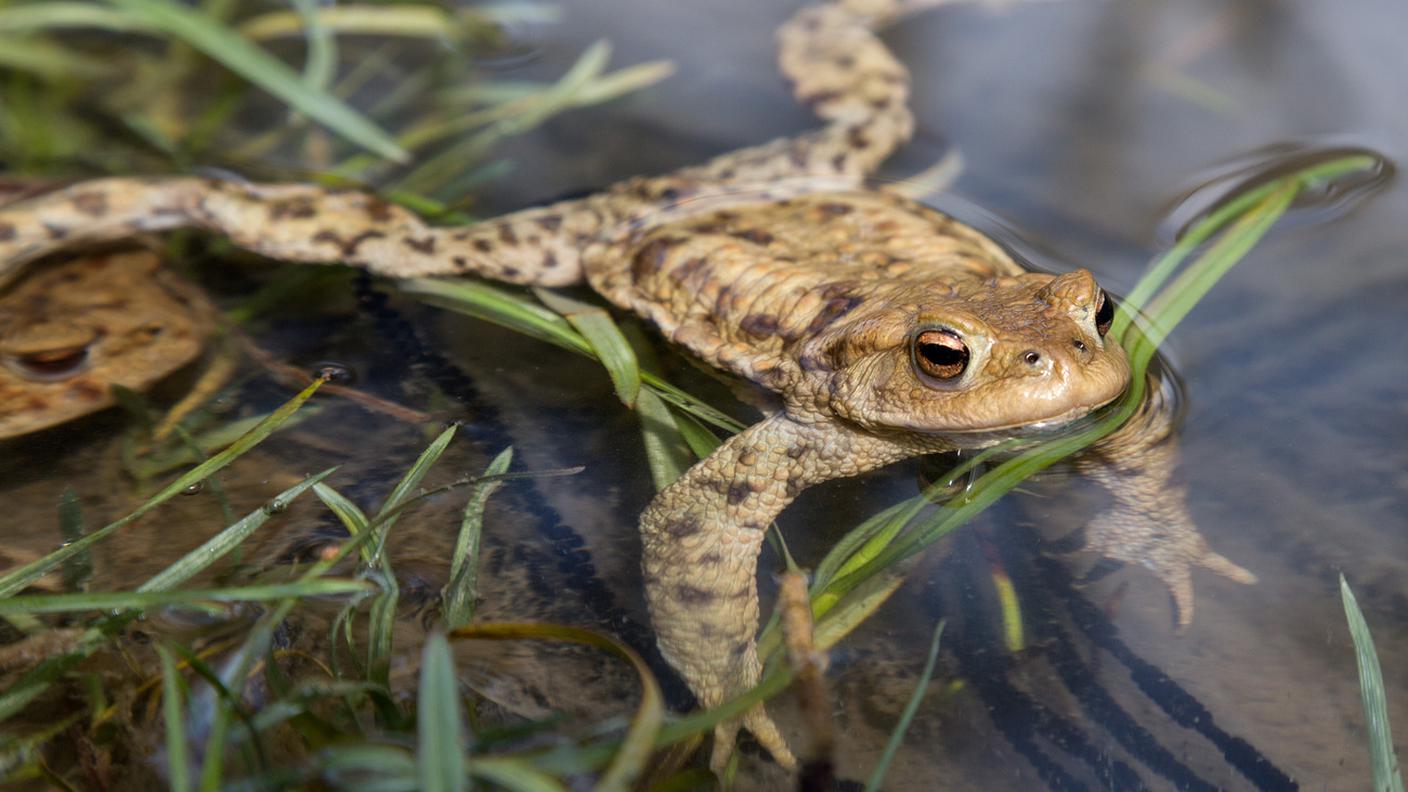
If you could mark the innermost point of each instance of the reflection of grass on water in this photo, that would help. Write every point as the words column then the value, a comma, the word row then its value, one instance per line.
column 348, row 728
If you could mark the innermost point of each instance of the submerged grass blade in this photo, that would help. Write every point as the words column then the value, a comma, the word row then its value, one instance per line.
column 640, row 739
column 1387, row 777
column 439, row 726
column 882, row 765
column 237, row 54
column 20, row 577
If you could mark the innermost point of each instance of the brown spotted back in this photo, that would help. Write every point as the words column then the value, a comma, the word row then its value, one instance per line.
column 739, row 286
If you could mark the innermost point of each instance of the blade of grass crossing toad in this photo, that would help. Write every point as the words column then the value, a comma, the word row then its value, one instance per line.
column 696, row 435
column 440, row 734
column 666, row 451
column 1169, row 307
column 605, row 338
column 1387, row 777
column 508, row 309
column 500, row 306
column 227, row 47
column 173, row 714
column 17, row 579
column 217, row 546
column 882, row 765
column 459, row 594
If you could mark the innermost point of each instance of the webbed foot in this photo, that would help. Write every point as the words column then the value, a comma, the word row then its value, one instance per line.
column 761, row 725
column 1167, row 545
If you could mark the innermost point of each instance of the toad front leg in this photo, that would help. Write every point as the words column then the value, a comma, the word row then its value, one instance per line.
column 701, row 538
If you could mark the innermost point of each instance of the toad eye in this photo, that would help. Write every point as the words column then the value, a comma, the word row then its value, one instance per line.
column 1104, row 313
column 49, row 366
column 940, row 354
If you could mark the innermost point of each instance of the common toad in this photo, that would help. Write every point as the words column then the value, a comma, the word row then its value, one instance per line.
column 73, row 329
column 886, row 329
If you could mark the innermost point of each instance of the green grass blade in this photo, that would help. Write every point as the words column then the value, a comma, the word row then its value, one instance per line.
column 20, row 577
column 38, row 17
column 500, row 306
column 173, row 713
column 1387, row 777
column 237, row 54
column 882, row 765
column 460, row 593
column 1229, row 211
column 666, row 452
column 608, row 344
column 503, row 307
column 381, row 625
column 347, row 512
column 419, row 21
column 514, row 775
column 193, row 598
column 368, row 768
column 388, row 514
column 318, row 71
column 439, row 725
column 47, row 59
column 217, row 546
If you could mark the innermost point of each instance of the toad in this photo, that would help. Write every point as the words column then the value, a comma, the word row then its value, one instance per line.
column 884, row 328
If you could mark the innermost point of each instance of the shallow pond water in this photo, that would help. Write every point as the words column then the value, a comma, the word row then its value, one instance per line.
column 1081, row 124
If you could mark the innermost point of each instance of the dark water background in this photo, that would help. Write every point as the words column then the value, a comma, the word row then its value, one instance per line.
column 1081, row 124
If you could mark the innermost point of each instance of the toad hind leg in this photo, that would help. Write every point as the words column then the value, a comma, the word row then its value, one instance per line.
column 1149, row 523
column 541, row 246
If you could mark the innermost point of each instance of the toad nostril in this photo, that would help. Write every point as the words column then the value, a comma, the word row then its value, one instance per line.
column 1079, row 345
column 1032, row 357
